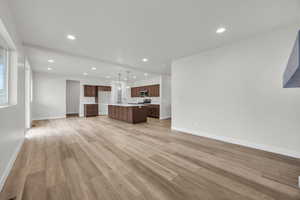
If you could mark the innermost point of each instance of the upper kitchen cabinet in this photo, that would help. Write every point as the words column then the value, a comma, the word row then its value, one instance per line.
column 153, row 90
column 135, row 92
column 149, row 90
column 90, row 91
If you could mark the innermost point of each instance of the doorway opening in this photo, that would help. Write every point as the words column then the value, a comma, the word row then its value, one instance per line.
column 72, row 98
column 28, row 96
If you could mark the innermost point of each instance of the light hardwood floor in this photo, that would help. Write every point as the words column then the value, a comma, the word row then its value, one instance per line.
column 100, row 158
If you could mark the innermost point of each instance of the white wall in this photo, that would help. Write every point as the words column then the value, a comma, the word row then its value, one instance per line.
column 12, row 118
column 49, row 94
column 115, row 85
column 152, row 81
column 235, row 93
column 28, row 95
column 165, row 97
column 73, row 96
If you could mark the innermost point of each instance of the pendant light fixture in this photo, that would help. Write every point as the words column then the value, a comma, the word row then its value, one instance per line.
column 119, row 91
column 127, row 79
column 119, row 81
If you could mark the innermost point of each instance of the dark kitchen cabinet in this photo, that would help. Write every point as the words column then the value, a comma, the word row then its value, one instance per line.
column 131, row 114
column 153, row 110
column 135, row 92
column 153, row 90
column 90, row 91
column 91, row 110
column 138, row 92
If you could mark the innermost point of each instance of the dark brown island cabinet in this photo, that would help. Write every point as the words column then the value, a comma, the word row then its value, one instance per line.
column 128, row 113
column 153, row 110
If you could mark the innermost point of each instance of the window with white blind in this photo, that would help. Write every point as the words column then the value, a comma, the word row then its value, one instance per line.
column 3, row 76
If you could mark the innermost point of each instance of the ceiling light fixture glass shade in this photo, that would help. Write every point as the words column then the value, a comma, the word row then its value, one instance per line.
column 71, row 37
column 145, row 60
column 221, row 30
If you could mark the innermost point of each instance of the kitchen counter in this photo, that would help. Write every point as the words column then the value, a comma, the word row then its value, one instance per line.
column 134, row 104
column 127, row 105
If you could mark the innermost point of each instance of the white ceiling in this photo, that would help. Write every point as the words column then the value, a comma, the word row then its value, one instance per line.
column 74, row 65
column 114, row 33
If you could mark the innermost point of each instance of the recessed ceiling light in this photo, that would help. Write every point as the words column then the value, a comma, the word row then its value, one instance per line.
column 145, row 59
column 134, row 77
column 145, row 74
column 49, row 68
column 51, row 61
column 221, row 30
column 85, row 74
column 107, row 76
column 71, row 37
column 94, row 68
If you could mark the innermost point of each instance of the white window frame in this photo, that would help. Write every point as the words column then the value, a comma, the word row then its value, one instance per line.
column 7, row 43
column 7, row 63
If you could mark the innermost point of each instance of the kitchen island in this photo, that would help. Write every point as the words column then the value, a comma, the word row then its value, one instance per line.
column 131, row 113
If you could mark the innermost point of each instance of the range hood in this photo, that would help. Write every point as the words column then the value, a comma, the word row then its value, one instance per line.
column 291, row 76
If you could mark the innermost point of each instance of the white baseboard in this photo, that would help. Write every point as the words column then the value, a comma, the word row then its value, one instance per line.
column 50, row 117
column 263, row 147
column 10, row 165
column 165, row 117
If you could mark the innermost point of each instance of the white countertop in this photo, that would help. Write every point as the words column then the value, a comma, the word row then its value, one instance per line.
column 131, row 105
column 126, row 105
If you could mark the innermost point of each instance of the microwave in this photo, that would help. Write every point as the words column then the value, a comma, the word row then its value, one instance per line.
column 144, row 93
